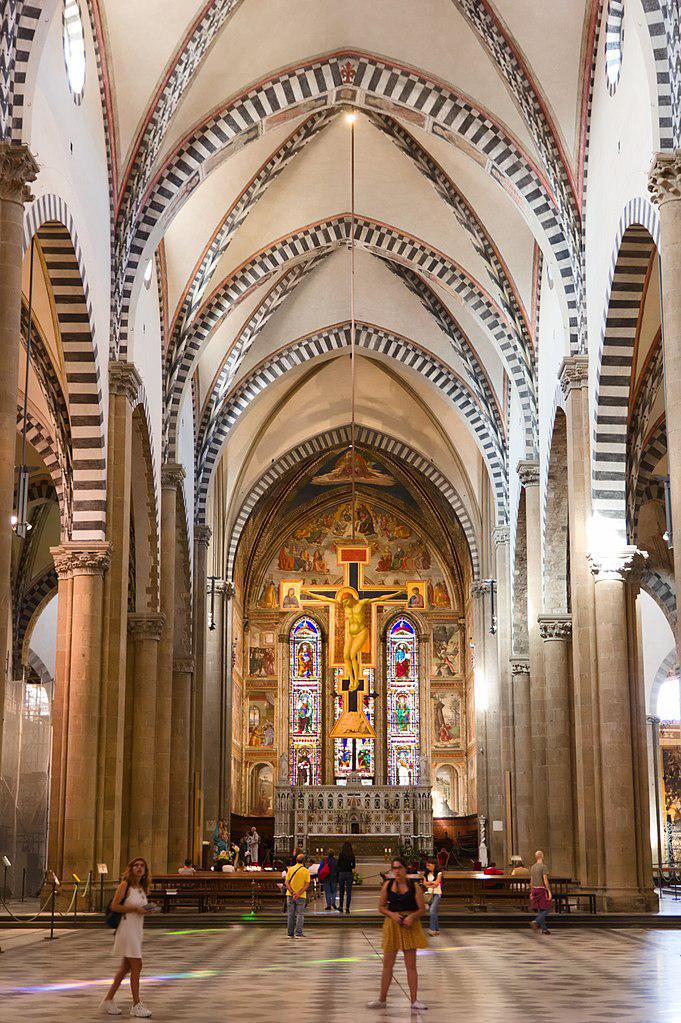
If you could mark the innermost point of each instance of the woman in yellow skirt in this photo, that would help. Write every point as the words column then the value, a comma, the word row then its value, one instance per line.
column 401, row 903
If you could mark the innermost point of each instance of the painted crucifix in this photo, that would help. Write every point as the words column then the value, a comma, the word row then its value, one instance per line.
column 352, row 609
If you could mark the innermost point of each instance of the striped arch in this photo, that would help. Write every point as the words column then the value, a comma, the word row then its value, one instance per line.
column 40, row 590
column 649, row 388
column 369, row 83
column 50, row 219
column 380, row 240
column 476, row 377
column 662, row 593
column 669, row 667
column 327, row 441
column 637, row 235
column 333, row 340
column 40, row 437
column 648, row 489
column 663, row 18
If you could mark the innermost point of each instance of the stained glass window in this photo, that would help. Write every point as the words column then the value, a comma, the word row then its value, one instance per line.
column 402, row 703
column 355, row 754
column 305, row 719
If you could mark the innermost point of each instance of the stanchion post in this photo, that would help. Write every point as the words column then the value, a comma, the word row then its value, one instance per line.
column 75, row 901
column 53, row 901
column 23, row 884
column 101, row 893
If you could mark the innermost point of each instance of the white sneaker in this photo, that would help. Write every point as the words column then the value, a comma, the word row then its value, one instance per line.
column 419, row 1006
column 140, row 1010
column 109, row 1006
column 376, row 1004
column 433, row 934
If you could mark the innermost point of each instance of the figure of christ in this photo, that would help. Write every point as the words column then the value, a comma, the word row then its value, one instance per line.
column 356, row 627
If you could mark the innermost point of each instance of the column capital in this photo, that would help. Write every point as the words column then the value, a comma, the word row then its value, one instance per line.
column 72, row 558
column 528, row 472
column 146, row 625
column 519, row 665
column 555, row 627
column 664, row 177
column 621, row 566
column 18, row 167
column 230, row 590
column 480, row 587
column 652, row 720
column 500, row 535
column 172, row 474
column 124, row 379
column 183, row 665
column 573, row 373
column 202, row 534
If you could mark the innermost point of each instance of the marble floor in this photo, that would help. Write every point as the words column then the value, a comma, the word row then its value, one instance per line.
column 247, row 973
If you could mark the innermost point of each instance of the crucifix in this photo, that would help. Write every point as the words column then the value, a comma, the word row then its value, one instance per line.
column 353, row 609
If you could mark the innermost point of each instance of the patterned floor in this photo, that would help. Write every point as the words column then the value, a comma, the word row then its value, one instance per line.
column 258, row 975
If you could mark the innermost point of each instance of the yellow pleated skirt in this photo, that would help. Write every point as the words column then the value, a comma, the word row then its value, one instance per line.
column 397, row 938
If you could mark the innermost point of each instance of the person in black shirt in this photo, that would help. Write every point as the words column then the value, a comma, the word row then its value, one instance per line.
column 346, row 866
column 401, row 903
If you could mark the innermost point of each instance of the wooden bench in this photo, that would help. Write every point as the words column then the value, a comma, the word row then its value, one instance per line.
column 212, row 891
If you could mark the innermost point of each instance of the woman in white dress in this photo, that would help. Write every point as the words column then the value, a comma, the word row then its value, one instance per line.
column 130, row 900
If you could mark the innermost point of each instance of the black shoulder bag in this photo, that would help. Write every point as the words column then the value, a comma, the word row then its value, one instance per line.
column 112, row 919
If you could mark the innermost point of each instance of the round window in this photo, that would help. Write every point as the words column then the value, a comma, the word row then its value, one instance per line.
column 614, row 40
column 74, row 48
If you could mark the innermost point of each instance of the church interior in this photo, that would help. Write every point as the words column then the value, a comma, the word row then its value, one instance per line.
column 338, row 482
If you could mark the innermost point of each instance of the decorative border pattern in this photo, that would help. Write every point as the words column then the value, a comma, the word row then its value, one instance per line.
column 50, row 218
column 614, row 43
column 334, row 339
column 664, row 26
column 636, row 237
column 330, row 439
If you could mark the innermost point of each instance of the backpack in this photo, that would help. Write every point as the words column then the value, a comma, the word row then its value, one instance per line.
column 112, row 919
column 324, row 871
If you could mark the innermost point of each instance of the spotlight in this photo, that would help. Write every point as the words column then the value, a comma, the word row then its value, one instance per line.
column 350, row 117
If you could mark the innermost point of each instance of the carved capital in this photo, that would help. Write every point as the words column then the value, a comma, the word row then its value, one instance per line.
column 72, row 558
column 172, row 475
column 519, row 665
column 183, row 665
column 202, row 534
column 528, row 473
column 555, row 627
column 652, row 720
column 230, row 592
column 17, row 168
column 146, row 625
column 124, row 379
column 573, row 373
column 664, row 177
column 500, row 535
column 624, row 565
column 479, row 588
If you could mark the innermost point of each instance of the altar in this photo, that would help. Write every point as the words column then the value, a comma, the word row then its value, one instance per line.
column 374, row 818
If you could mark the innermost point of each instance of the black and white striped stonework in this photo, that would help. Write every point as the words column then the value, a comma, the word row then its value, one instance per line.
column 37, row 592
column 639, row 422
column 381, row 241
column 664, row 25
column 614, row 42
column 335, row 339
column 662, row 592
column 340, row 437
column 41, row 438
column 50, row 219
column 649, row 488
column 634, row 245
column 375, row 83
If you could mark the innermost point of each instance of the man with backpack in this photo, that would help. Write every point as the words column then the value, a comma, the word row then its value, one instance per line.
column 296, row 883
column 328, row 875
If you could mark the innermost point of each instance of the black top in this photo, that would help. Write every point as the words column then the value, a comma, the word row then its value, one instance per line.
column 346, row 863
column 402, row 902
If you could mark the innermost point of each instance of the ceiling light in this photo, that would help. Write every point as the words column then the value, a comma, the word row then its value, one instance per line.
column 350, row 117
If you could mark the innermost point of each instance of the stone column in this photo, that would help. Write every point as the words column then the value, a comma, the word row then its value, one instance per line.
column 212, row 711
column 623, row 891
column 145, row 632
column 178, row 826
column 529, row 477
column 17, row 169
column 84, row 565
column 655, row 795
column 488, row 719
column 556, row 631
column 524, row 791
column 664, row 182
column 171, row 478
column 574, row 379
column 197, row 766
column 501, row 539
column 227, row 726
column 124, row 386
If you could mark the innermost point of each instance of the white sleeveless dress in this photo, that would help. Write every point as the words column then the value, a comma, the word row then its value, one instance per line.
column 128, row 939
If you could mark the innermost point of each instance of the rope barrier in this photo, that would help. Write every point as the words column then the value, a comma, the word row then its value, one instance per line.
column 43, row 908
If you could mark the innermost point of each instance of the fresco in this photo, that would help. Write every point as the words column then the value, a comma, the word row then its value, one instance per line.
column 446, row 718
column 261, row 654
column 262, row 798
column 446, row 659
column 398, row 557
column 261, row 720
